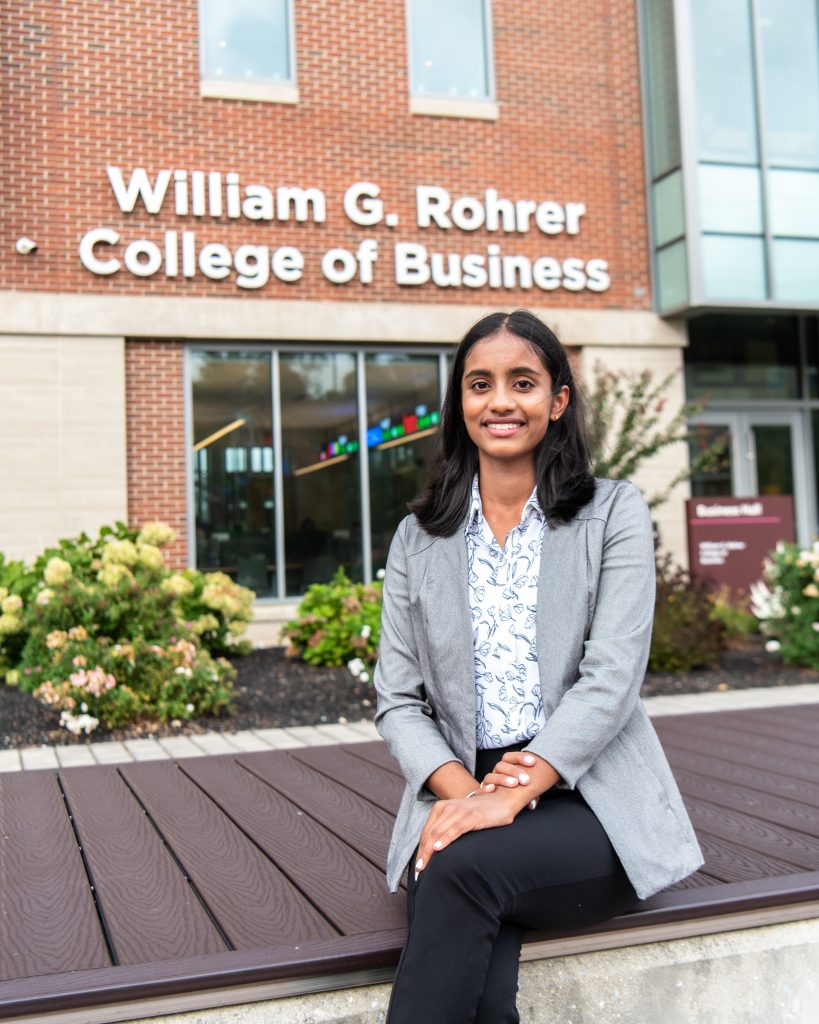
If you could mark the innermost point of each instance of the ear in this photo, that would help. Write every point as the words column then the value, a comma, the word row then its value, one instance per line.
column 560, row 401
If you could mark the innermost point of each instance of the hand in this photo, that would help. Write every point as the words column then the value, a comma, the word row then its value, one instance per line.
column 450, row 819
column 511, row 773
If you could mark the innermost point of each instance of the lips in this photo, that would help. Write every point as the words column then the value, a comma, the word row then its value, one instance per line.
column 503, row 428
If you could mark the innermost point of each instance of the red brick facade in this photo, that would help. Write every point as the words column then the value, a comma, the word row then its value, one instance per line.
column 98, row 83
column 155, row 409
column 95, row 83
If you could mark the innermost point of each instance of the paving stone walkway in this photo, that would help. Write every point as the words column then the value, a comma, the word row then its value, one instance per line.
column 167, row 747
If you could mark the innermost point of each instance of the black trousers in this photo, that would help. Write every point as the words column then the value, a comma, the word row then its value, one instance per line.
column 470, row 908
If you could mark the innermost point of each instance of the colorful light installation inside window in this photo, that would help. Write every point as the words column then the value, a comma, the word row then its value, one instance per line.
column 386, row 430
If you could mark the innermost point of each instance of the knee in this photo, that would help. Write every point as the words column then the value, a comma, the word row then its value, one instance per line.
column 459, row 868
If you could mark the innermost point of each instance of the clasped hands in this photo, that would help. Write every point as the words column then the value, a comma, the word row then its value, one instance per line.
column 516, row 782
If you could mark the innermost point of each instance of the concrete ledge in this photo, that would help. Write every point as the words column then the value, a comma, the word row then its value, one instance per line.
column 246, row 319
column 764, row 975
column 268, row 619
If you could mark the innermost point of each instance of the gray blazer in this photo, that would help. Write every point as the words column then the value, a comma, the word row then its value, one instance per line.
column 594, row 618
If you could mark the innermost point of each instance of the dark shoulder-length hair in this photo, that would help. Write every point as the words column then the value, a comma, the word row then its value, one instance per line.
column 562, row 461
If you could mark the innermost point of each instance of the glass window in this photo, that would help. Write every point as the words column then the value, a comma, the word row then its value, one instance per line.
column 403, row 397
column 730, row 199
column 320, row 456
column 796, row 270
column 815, row 420
column 790, row 81
column 246, row 40
column 812, row 349
column 733, row 267
column 672, row 276
column 450, row 49
column 661, row 86
column 724, row 81
column 718, row 481
column 233, row 467
column 742, row 357
column 774, row 458
column 794, row 198
column 669, row 212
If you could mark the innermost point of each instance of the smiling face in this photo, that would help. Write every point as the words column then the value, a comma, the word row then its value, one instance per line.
column 507, row 398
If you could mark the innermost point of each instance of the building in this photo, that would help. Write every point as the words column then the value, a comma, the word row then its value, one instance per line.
column 732, row 119
column 239, row 241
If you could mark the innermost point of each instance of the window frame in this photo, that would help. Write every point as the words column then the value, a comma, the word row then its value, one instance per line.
column 262, row 90
column 481, row 108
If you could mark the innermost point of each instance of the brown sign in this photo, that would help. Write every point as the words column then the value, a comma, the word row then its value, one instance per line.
column 730, row 538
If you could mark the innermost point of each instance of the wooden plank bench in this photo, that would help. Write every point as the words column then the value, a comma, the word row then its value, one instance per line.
column 135, row 883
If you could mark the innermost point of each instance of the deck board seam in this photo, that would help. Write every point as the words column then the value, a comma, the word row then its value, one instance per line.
column 326, row 825
column 739, row 786
column 103, row 922
column 223, row 935
column 261, row 849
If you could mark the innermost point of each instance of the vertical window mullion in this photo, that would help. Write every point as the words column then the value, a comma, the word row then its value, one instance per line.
column 190, row 491
column 278, row 476
column 364, row 470
column 762, row 142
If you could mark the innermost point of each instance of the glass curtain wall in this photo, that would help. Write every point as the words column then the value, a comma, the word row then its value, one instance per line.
column 664, row 152
column 402, row 420
column 748, row 146
column 320, row 464
column 728, row 154
column 279, row 524
column 789, row 51
column 233, row 466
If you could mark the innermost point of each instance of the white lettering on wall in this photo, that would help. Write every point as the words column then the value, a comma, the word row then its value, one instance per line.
column 217, row 197
column 434, row 205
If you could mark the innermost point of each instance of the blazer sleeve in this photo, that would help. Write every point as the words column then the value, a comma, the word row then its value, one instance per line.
column 404, row 716
column 592, row 711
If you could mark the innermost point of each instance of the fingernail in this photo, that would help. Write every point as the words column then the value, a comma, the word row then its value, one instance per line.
column 437, row 844
column 524, row 778
column 418, row 865
column 489, row 787
column 529, row 759
column 532, row 806
column 511, row 781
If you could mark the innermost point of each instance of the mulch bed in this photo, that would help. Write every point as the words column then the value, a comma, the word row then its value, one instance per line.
column 273, row 691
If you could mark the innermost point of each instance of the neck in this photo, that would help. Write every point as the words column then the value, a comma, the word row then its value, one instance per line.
column 506, row 486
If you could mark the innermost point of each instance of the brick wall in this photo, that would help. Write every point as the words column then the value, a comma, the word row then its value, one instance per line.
column 155, row 412
column 98, row 82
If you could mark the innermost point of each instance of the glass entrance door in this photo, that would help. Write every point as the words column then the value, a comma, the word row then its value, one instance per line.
column 765, row 455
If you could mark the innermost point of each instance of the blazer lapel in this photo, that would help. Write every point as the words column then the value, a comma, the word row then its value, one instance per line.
column 558, row 585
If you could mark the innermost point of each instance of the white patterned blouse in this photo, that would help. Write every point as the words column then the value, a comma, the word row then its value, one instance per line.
column 503, row 603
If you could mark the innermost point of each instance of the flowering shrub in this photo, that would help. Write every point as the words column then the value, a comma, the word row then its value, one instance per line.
column 787, row 604
column 686, row 633
column 631, row 418
column 104, row 632
column 337, row 622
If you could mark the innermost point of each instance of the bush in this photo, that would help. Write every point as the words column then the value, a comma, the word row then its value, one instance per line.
column 103, row 631
column 686, row 635
column 629, row 421
column 787, row 604
column 736, row 618
column 337, row 622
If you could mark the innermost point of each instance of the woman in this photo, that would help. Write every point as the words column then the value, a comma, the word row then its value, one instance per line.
column 518, row 603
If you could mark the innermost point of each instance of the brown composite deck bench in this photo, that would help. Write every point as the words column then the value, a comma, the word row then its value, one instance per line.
column 220, row 879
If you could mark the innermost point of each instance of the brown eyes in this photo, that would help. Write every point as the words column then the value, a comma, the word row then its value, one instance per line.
column 483, row 385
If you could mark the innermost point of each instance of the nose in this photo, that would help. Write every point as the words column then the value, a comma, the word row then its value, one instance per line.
column 503, row 398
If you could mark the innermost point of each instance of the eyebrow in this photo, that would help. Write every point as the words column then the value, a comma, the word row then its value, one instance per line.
column 512, row 372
